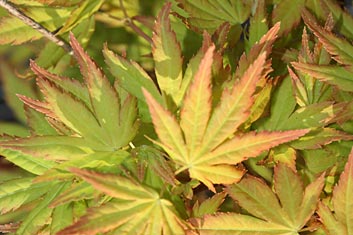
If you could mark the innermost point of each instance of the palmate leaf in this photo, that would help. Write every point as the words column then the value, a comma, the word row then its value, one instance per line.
column 91, row 110
column 209, row 15
column 137, row 209
column 209, row 157
column 274, row 213
column 341, row 221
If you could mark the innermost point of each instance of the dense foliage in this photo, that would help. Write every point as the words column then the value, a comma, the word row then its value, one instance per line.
column 193, row 117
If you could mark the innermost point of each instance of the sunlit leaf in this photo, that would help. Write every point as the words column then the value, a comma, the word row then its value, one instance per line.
column 167, row 56
column 14, row 31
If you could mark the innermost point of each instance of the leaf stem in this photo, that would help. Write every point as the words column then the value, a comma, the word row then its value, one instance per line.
column 129, row 22
column 35, row 25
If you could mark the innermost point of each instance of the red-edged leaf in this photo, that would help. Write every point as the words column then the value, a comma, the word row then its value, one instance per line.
column 289, row 189
column 196, row 107
column 69, row 85
column 167, row 55
column 320, row 137
column 138, row 209
column 334, row 75
column 257, row 198
column 249, row 145
column 341, row 49
column 209, row 206
column 65, row 108
column 168, row 130
column 104, row 99
column 234, row 105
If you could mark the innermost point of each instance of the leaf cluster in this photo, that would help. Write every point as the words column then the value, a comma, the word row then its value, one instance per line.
column 245, row 130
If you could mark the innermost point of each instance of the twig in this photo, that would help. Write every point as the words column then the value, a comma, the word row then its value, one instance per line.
column 29, row 21
column 132, row 25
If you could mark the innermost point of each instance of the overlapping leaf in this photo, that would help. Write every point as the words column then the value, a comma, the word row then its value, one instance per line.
column 137, row 209
column 288, row 19
column 14, row 31
column 341, row 221
column 206, row 152
column 273, row 213
column 210, row 15
column 91, row 111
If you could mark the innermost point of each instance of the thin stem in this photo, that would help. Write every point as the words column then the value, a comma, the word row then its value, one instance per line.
column 29, row 21
column 129, row 22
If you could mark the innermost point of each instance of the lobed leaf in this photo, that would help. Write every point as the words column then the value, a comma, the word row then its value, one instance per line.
column 209, row 15
column 131, row 76
column 144, row 212
column 255, row 196
column 105, row 101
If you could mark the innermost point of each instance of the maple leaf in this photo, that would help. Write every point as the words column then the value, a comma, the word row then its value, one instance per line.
column 206, row 153
column 273, row 213
column 340, row 222
column 135, row 209
column 89, row 114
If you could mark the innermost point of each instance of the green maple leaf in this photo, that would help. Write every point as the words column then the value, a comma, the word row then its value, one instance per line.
column 135, row 209
column 285, row 212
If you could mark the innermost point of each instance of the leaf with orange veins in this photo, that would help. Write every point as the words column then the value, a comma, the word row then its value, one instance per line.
column 104, row 98
column 196, row 107
column 341, row 49
column 251, row 144
column 167, row 56
column 234, row 106
column 167, row 129
column 341, row 220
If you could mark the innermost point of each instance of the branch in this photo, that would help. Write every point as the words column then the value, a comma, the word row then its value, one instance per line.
column 29, row 21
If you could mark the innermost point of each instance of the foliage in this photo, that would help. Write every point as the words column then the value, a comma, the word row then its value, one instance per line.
column 198, row 117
